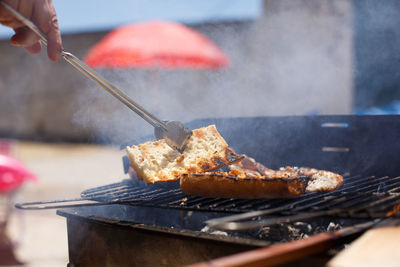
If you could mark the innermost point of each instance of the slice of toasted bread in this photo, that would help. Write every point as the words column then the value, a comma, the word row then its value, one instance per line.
column 235, row 184
column 250, row 179
column 157, row 162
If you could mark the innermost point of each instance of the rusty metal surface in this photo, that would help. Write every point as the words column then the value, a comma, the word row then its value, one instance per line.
column 94, row 243
column 158, row 221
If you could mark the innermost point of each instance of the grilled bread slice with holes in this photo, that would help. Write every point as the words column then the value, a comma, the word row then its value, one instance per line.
column 206, row 150
column 250, row 179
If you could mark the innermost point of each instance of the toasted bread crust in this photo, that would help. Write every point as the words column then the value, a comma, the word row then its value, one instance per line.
column 224, row 185
column 206, row 150
column 250, row 179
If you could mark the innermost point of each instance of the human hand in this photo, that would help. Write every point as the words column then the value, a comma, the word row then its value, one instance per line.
column 43, row 14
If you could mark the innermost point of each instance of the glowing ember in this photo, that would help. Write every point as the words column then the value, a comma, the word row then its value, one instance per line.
column 395, row 210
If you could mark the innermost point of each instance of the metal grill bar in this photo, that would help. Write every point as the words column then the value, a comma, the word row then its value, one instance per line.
column 368, row 201
column 359, row 196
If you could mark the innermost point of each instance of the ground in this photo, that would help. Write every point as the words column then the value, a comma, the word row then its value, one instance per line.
column 64, row 170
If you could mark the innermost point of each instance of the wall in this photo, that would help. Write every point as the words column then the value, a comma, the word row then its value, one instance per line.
column 377, row 52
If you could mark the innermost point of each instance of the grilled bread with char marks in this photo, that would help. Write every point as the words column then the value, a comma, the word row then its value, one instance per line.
column 250, row 179
column 156, row 161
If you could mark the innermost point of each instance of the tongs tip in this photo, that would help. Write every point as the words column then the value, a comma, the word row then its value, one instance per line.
column 176, row 134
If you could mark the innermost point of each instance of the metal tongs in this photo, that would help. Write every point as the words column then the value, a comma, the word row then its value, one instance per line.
column 175, row 133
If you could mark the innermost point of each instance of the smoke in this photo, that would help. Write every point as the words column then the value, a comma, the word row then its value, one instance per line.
column 110, row 120
column 296, row 59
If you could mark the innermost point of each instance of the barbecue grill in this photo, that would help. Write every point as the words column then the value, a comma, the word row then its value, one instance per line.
column 151, row 225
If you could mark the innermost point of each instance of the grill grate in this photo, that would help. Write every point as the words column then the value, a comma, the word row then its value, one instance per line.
column 360, row 197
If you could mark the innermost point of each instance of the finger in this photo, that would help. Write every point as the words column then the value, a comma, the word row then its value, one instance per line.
column 12, row 23
column 5, row 15
column 54, row 46
column 24, row 37
column 35, row 48
column 46, row 19
column 8, row 19
column 25, row 8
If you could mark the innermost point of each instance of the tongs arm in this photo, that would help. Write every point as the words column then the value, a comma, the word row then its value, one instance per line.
column 121, row 96
column 175, row 133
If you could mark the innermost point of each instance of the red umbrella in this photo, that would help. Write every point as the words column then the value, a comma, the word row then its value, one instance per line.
column 156, row 44
column 12, row 174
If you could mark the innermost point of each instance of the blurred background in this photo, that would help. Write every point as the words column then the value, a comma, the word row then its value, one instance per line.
column 286, row 57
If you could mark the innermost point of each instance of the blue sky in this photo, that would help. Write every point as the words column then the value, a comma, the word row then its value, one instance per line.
column 94, row 15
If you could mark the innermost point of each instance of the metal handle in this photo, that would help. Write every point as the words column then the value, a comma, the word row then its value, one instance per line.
column 64, row 203
column 90, row 73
